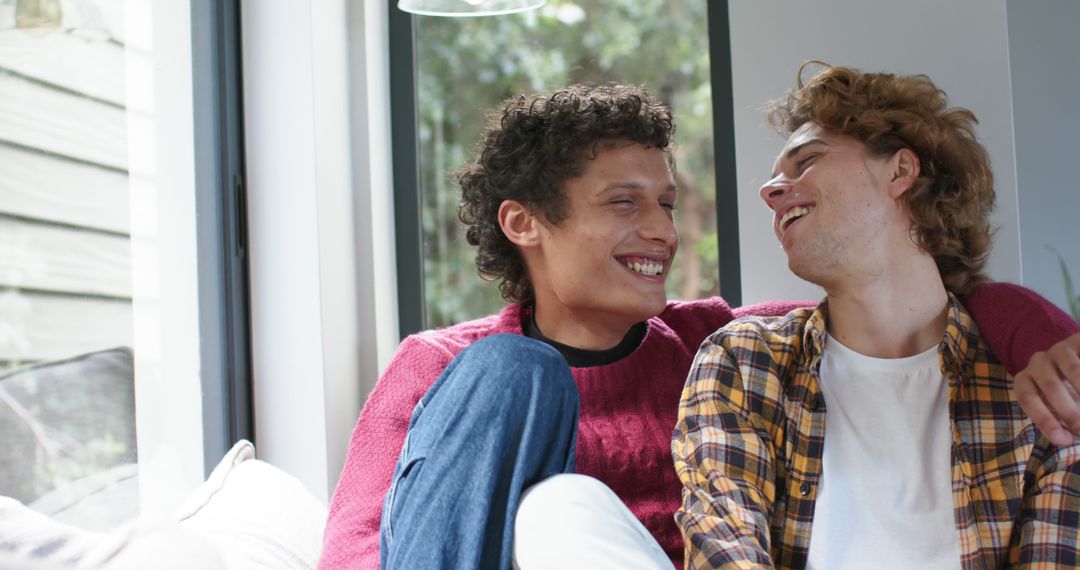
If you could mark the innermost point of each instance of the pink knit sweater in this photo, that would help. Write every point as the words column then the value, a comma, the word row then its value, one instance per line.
column 628, row 408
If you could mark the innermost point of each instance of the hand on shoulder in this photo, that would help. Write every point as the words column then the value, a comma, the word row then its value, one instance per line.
column 1049, row 390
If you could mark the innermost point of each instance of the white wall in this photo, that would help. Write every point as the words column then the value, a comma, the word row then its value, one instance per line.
column 323, row 304
column 962, row 45
column 1044, row 50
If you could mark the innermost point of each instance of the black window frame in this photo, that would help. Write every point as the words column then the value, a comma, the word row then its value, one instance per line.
column 221, row 219
column 406, row 163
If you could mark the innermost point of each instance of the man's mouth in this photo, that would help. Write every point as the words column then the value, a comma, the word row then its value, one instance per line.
column 642, row 265
column 792, row 215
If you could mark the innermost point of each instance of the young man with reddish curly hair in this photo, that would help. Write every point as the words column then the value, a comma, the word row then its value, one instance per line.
column 877, row 430
column 540, row 436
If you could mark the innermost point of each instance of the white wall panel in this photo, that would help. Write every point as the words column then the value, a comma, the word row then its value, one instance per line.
column 1044, row 49
column 962, row 45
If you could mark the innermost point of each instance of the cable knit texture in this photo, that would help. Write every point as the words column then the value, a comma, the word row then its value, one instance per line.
column 628, row 409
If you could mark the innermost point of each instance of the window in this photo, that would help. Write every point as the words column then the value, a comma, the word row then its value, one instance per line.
column 466, row 66
column 105, row 289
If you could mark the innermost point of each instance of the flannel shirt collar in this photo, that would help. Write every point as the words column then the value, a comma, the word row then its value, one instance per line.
column 954, row 351
column 814, row 332
column 959, row 342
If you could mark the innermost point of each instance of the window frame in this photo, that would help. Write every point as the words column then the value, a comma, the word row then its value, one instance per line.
column 406, row 163
column 222, row 238
column 405, row 153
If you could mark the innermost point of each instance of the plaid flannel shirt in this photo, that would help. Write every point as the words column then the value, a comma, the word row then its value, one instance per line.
column 751, row 432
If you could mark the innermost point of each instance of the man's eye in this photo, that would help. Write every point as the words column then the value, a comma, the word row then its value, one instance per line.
column 805, row 161
column 668, row 205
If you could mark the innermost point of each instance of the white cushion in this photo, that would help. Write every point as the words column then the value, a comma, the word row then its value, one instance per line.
column 257, row 515
column 247, row 514
column 29, row 539
column 161, row 545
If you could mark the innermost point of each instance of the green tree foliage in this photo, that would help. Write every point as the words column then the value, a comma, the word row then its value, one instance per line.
column 466, row 66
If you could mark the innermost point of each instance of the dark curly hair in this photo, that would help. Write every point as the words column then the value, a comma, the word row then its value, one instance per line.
column 954, row 194
column 534, row 145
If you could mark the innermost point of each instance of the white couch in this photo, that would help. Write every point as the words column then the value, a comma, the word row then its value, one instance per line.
column 247, row 514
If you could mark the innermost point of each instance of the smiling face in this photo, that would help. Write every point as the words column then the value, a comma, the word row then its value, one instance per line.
column 834, row 206
column 602, row 269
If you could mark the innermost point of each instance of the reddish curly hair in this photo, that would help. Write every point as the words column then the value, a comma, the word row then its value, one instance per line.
column 951, row 201
column 529, row 150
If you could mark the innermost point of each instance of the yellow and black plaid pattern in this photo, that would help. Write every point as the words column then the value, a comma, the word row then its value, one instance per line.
column 750, row 435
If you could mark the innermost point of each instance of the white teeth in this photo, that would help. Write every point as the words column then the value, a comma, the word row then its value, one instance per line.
column 793, row 214
column 649, row 268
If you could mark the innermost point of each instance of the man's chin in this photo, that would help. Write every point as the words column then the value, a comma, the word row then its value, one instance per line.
column 655, row 307
column 643, row 309
column 802, row 270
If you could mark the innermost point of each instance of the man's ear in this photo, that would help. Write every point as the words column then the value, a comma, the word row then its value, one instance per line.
column 521, row 226
column 905, row 171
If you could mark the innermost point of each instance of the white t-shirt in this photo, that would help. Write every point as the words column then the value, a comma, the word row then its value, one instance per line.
column 885, row 496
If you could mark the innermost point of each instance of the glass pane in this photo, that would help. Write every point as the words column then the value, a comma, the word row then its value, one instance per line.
column 466, row 66
column 78, row 212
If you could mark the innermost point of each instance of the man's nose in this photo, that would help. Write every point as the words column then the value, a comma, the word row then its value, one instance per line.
column 659, row 227
column 775, row 190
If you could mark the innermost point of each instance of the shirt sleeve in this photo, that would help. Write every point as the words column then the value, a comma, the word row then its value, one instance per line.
column 1017, row 322
column 1048, row 529
column 725, row 460
column 351, row 538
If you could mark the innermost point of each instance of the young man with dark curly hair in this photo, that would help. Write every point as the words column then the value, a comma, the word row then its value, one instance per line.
column 876, row 430
column 541, row 435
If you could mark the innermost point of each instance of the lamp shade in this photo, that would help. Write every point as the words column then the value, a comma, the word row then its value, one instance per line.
column 458, row 8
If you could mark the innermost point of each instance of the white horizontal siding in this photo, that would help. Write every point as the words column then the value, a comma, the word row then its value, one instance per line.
column 47, row 188
column 61, row 260
column 64, row 191
column 36, row 116
column 44, row 327
column 93, row 68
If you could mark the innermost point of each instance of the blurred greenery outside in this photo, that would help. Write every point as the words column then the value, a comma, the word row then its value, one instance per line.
column 467, row 66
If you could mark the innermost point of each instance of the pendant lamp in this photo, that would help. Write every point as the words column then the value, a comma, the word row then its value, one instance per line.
column 459, row 8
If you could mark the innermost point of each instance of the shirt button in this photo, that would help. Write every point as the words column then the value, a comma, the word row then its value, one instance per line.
column 815, row 403
column 804, row 489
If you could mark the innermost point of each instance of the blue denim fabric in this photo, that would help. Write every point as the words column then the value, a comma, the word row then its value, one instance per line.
column 501, row 417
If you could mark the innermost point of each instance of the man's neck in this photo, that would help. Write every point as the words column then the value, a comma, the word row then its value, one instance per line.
column 587, row 331
column 901, row 313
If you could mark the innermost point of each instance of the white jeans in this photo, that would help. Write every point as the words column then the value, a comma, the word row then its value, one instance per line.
column 575, row 521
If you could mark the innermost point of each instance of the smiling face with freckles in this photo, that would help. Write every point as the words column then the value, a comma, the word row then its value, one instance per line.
column 602, row 269
column 835, row 211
